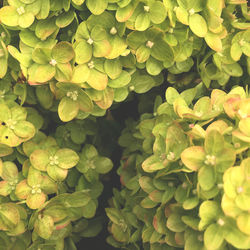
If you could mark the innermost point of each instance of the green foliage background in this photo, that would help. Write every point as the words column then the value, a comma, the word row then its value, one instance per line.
column 67, row 70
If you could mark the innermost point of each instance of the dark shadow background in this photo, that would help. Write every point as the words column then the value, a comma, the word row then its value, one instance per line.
column 109, row 139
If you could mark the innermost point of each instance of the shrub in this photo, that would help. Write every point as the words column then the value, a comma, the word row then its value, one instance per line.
column 185, row 183
column 68, row 69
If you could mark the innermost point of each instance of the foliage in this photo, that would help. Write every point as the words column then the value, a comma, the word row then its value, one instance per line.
column 66, row 69
column 186, row 183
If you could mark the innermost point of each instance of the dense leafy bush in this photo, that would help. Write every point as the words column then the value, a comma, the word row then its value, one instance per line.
column 67, row 67
column 186, row 178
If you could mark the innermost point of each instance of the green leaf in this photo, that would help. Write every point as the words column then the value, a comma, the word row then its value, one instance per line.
column 63, row 52
column 193, row 157
column 153, row 66
column 5, row 113
column 229, row 207
column 168, row 195
column 98, row 33
column 18, row 113
column 44, row 96
column 113, row 68
column 97, row 7
column 119, row 233
column 188, row 4
column 215, row 6
column 148, row 203
column 34, row 176
column 8, row 137
column 124, row 13
column 242, row 201
column 235, row 51
column 24, row 59
column 206, row 177
column 44, row 10
column 80, row 74
column 118, row 46
column 213, row 41
column 198, row 25
column 5, row 150
column 146, row 184
column 233, row 178
column 152, row 164
column 67, row 109
column 246, row 49
column 194, row 241
column 225, row 160
column 136, row 38
column 89, row 210
column 103, row 165
column 107, row 96
column 9, row 171
column 76, row 199
column 56, row 173
column 209, row 211
column 83, row 52
column 21, row 91
column 123, row 80
column 101, row 48
column 190, row 221
column 84, row 101
column 233, row 69
column 5, row 188
column 142, row 22
column 190, row 203
column 41, row 73
column 48, row 185
column 35, row 201
column 244, row 126
column 25, row 20
column 40, row 159
column 65, row 19
column 159, row 221
column 24, row 129
column 97, row 79
column 94, row 227
column 82, row 32
column 171, row 95
column 44, row 226
column 188, row 95
column 236, row 238
column 22, row 190
column 114, row 215
column 63, row 72
column 147, row 233
column 243, row 223
column 142, row 54
column 175, row 224
column 162, row 51
column 157, row 12
column 9, row 16
column 78, row 2
column 156, row 196
column 213, row 237
column 67, row 158
column 3, row 59
column 182, row 15
column 89, row 151
column 142, row 83
column 120, row 94
column 45, row 28
column 9, row 215
column 214, row 142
